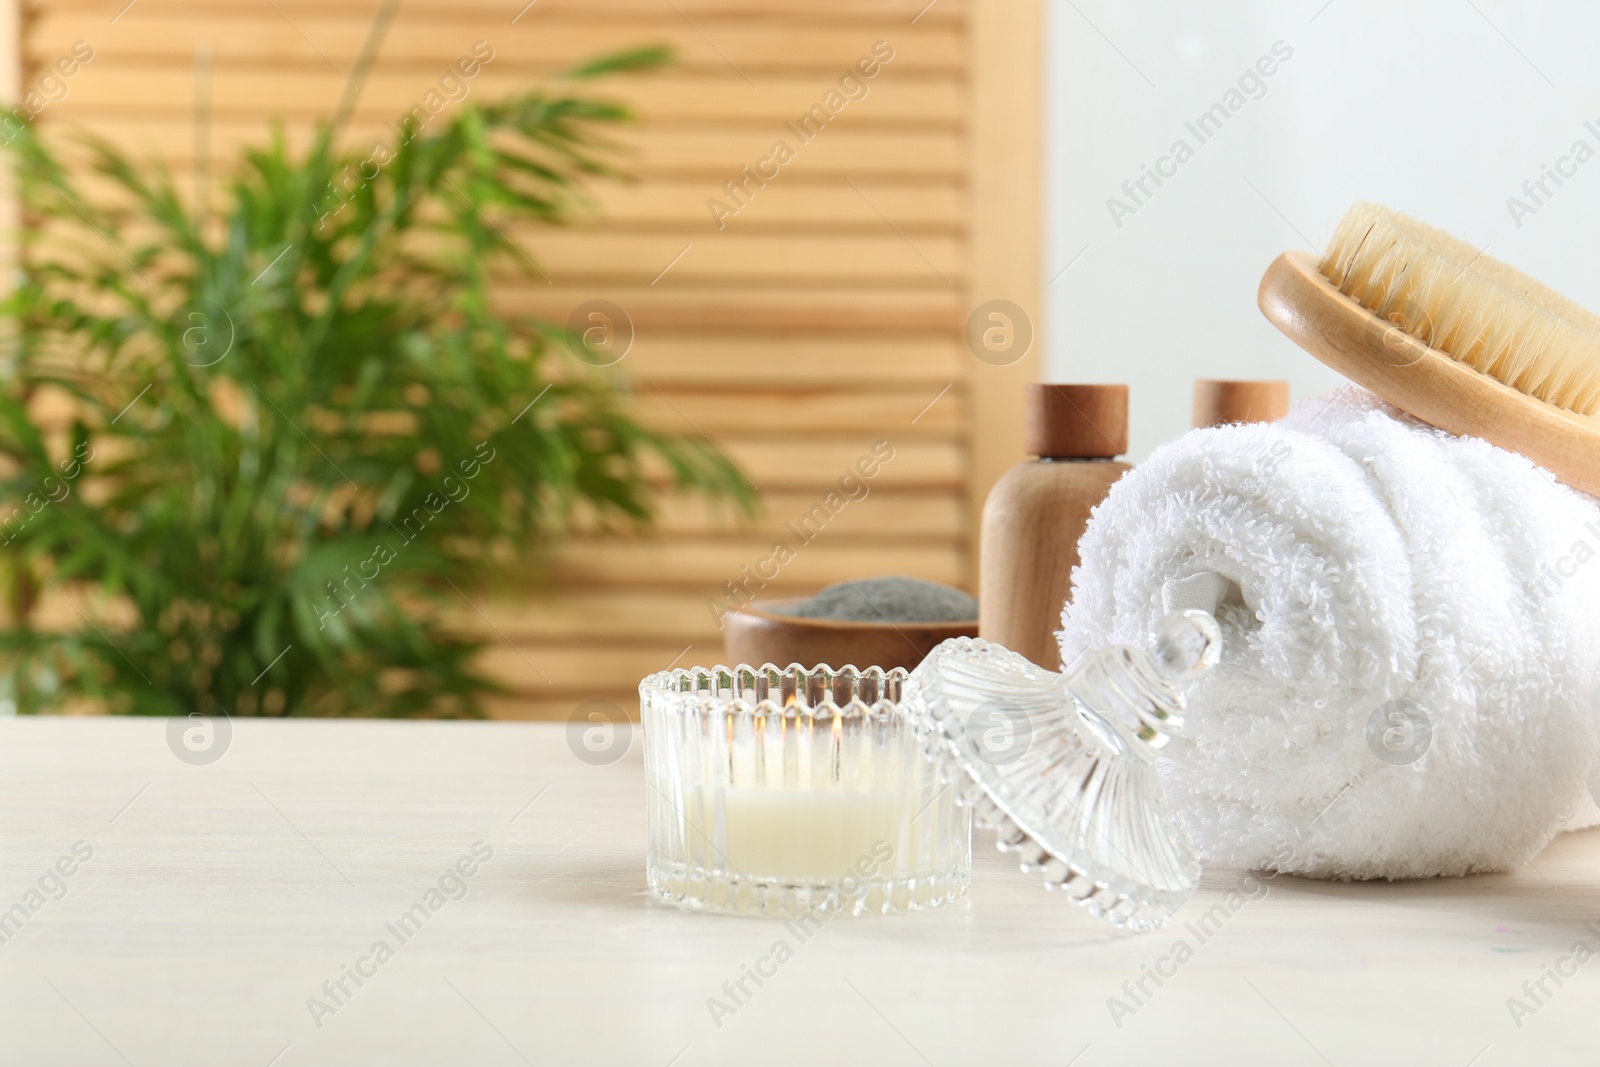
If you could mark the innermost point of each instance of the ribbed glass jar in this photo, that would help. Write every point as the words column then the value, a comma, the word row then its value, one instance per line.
column 784, row 791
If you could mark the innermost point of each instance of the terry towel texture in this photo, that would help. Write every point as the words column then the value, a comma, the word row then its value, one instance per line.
column 1381, row 586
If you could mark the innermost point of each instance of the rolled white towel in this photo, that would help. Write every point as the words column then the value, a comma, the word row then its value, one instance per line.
column 1384, row 589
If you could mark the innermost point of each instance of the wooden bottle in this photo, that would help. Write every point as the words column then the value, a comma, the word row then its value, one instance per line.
column 1038, row 510
column 1217, row 403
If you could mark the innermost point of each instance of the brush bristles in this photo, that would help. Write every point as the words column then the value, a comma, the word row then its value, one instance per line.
column 1473, row 308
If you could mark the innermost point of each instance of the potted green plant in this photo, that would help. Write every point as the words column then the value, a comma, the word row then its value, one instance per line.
column 291, row 428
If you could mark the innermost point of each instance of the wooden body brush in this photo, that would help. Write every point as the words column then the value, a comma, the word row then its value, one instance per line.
column 1449, row 335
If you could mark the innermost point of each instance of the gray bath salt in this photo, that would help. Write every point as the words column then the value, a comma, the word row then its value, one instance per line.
column 893, row 598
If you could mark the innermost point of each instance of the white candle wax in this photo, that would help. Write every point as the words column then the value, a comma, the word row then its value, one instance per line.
column 811, row 836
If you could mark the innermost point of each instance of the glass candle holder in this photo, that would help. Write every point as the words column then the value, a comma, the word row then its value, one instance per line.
column 790, row 792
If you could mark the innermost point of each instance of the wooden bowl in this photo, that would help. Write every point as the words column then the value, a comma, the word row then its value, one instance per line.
column 757, row 636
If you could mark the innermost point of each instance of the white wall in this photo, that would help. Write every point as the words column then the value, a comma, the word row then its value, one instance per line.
column 1424, row 106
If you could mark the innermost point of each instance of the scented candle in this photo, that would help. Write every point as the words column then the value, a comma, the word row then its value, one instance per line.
column 789, row 791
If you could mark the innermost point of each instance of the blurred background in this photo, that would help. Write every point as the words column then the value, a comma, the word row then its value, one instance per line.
column 1441, row 109
column 813, row 227
column 788, row 330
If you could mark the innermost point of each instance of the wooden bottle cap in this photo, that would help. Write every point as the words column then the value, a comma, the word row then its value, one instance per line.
column 1219, row 402
column 1075, row 421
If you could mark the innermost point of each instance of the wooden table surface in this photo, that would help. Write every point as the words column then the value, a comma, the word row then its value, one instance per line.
column 219, row 898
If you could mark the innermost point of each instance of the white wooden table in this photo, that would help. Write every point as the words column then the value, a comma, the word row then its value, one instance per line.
column 220, row 898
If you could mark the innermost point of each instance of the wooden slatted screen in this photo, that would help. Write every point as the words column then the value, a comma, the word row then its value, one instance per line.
column 827, row 313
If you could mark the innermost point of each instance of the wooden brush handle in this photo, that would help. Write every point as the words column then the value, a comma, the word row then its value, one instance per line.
column 1423, row 381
